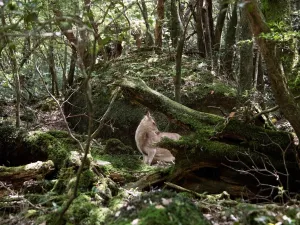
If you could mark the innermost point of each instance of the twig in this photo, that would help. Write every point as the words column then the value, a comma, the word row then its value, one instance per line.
column 219, row 108
column 103, row 118
column 271, row 109
column 179, row 188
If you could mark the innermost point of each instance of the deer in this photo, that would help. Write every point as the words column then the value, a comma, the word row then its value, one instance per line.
column 147, row 136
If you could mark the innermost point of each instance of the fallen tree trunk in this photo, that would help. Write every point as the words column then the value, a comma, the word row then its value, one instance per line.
column 217, row 154
column 16, row 176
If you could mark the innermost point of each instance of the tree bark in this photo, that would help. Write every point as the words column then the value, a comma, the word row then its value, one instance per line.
column 149, row 38
column 279, row 12
column 159, row 23
column 71, row 73
column 179, row 52
column 52, row 70
column 220, row 24
column 210, row 20
column 18, row 175
column 208, row 29
column 246, row 55
column 197, row 14
column 64, row 74
column 175, row 28
column 258, row 73
column 284, row 97
column 230, row 41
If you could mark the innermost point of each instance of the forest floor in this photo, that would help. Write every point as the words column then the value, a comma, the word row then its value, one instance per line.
column 35, row 117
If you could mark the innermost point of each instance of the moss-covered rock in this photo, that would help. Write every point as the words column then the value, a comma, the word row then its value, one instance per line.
column 18, row 147
column 45, row 143
column 64, row 176
column 64, row 137
column 84, row 211
column 114, row 146
column 87, row 179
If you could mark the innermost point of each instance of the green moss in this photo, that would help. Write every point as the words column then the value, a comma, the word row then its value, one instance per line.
column 116, row 147
column 118, row 201
column 64, row 137
column 49, row 218
column 218, row 87
column 46, row 199
column 58, row 134
column 123, row 162
column 87, row 179
column 65, row 175
column 124, row 165
column 157, row 208
column 46, row 143
column 80, row 212
column 126, row 115
column 155, row 216
column 255, row 137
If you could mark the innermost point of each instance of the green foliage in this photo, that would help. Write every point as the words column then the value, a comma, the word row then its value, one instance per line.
column 280, row 32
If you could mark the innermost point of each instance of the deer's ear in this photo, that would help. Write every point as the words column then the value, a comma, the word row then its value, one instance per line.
column 148, row 114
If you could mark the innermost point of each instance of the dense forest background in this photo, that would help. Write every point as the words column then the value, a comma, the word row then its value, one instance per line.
column 77, row 67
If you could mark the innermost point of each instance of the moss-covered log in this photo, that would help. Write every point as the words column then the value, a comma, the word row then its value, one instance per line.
column 230, row 153
column 16, row 176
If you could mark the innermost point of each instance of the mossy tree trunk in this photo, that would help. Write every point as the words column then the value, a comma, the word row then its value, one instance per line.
column 227, row 56
column 279, row 12
column 219, row 153
column 175, row 23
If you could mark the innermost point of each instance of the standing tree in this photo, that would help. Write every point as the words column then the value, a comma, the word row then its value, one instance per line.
column 175, row 23
column 246, row 54
column 198, row 18
column 283, row 95
column 149, row 37
column 159, row 23
column 230, row 40
column 223, row 5
column 179, row 52
column 52, row 69
column 208, row 27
